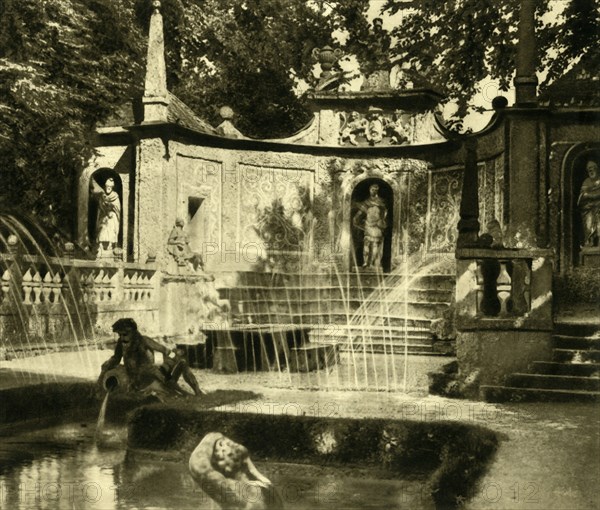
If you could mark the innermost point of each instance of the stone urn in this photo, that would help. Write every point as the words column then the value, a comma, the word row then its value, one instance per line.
column 326, row 57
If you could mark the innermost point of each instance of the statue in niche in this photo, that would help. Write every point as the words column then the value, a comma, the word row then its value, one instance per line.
column 371, row 218
column 589, row 205
column 224, row 470
column 178, row 246
column 108, row 222
column 354, row 126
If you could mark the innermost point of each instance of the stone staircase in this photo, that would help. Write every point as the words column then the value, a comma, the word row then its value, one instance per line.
column 573, row 375
column 365, row 312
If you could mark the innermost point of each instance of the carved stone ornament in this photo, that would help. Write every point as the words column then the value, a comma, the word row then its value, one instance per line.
column 374, row 128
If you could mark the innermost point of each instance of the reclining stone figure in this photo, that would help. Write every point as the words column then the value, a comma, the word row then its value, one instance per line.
column 224, row 471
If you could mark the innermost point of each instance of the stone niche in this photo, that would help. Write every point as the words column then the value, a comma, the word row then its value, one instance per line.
column 109, row 163
column 396, row 179
column 99, row 179
column 581, row 208
column 359, row 195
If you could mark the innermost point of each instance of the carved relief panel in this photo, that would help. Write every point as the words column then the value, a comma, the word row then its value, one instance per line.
column 379, row 127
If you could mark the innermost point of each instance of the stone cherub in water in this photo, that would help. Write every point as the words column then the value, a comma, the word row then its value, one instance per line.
column 223, row 469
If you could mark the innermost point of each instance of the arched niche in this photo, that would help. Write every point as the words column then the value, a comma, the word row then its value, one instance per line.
column 573, row 175
column 354, row 189
column 359, row 195
column 100, row 177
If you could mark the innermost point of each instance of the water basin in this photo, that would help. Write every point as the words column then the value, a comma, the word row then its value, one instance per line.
column 63, row 468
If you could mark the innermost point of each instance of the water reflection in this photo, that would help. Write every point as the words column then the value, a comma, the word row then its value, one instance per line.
column 63, row 469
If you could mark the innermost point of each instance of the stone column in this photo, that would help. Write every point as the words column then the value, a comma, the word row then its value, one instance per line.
column 524, row 186
column 468, row 225
column 526, row 80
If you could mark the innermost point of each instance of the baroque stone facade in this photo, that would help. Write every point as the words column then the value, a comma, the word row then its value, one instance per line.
column 249, row 204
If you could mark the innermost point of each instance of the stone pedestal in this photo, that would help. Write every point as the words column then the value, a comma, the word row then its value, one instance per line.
column 589, row 256
column 495, row 354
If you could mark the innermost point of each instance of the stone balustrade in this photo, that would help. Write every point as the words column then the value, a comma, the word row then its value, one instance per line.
column 60, row 300
column 48, row 280
column 504, row 288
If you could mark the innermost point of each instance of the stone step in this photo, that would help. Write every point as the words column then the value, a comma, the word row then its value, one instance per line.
column 576, row 355
column 332, row 320
column 430, row 281
column 373, row 335
column 413, row 325
column 390, row 323
column 393, row 318
column 558, row 382
column 512, row 394
column 307, row 279
column 347, row 338
column 337, row 295
column 314, row 313
column 343, row 333
column 415, row 294
column 376, row 304
column 396, row 350
column 577, row 369
column 574, row 328
column 576, row 342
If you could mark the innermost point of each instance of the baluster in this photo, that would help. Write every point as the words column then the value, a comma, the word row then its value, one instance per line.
column 504, row 283
column 99, row 277
column 27, row 287
column 520, row 285
column 37, row 286
column 126, row 285
column 47, row 287
column 490, row 303
column 57, row 280
column 5, row 283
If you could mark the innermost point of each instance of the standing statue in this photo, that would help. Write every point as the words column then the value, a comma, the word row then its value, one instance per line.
column 589, row 205
column 108, row 222
column 371, row 218
column 224, row 471
column 178, row 245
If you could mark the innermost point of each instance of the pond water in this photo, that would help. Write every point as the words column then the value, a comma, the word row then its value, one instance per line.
column 63, row 468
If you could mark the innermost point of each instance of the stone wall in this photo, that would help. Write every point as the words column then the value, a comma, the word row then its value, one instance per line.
column 241, row 206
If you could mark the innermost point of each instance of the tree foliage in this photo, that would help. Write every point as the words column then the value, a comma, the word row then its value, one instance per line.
column 66, row 64
column 63, row 66
column 458, row 43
